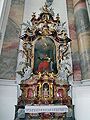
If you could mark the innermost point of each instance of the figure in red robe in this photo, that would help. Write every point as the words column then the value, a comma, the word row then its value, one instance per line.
column 45, row 64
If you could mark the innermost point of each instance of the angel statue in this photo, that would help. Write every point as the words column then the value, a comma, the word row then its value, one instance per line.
column 49, row 2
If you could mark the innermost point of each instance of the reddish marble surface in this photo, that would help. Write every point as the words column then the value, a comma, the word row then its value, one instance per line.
column 83, row 36
column 8, row 58
column 74, row 45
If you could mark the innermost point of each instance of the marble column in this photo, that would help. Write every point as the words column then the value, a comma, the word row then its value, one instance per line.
column 83, row 34
column 8, row 57
column 74, row 44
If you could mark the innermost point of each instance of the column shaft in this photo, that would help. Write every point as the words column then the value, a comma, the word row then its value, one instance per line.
column 74, row 45
column 83, row 34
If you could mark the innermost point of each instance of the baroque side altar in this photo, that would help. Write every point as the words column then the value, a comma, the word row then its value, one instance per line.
column 46, row 70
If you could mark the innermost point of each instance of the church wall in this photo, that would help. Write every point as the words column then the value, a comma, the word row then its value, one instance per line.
column 9, row 53
column 8, row 99
column 83, row 36
column 81, row 100
column 4, row 12
column 74, row 44
column 88, row 7
column 32, row 6
column 1, row 6
column 8, row 60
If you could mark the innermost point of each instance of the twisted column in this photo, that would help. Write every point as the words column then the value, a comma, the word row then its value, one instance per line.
column 83, row 34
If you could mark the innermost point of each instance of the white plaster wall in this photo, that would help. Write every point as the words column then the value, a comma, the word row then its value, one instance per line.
column 8, row 99
column 8, row 88
column 81, row 98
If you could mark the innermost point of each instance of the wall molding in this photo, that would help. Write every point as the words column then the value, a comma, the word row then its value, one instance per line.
column 81, row 83
column 5, row 82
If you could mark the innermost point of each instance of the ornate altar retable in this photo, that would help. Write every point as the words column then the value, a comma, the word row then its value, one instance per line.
column 45, row 71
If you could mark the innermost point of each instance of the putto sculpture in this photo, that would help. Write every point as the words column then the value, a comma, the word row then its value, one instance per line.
column 49, row 2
